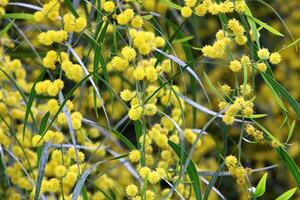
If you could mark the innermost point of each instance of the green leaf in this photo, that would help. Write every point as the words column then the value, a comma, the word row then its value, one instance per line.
column 275, row 95
column 170, row 4
column 191, row 169
column 290, row 164
column 17, row 16
column 6, row 28
column 285, row 94
column 147, row 17
column 31, row 99
column 41, row 170
column 123, row 139
column 212, row 87
column 287, row 195
column 182, row 40
column 291, row 131
column 265, row 25
column 291, row 44
column 252, row 26
column 69, row 4
column 261, row 186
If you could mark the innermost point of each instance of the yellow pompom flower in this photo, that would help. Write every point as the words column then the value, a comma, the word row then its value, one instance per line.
column 150, row 109
column 151, row 73
column 201, row 9
column 228, row 119
column 134, row 156
column 144, row 171
column 263, row 54
column 275, row 58
column 135, row 113
column 60, row 171
column 53, row 106
column 128, row 53
column 71, row 24
column 57, row 138
column 231, row 161
column 262, row 67
column 131, row 190
column 76, row 119
column 80, row 24
column 50, row 59
column 119, row 64
column 55, row 87
column 109, row 6
column 49, row 37
column 127, row 95
column 137, row 22
column 235, row 66
column 73, row 71
column 36, row 141
column 125, row 16
column 190, row 3
column 153, row 177
column 139, row 73
column 186, row 11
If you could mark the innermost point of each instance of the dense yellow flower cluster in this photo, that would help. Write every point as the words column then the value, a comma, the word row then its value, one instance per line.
column 49, row 87
column 132, row 124
column 71, row 24
column 236, row 170
column 49, row 37
column 209, row 6
column 238, row 105
column 50, row 11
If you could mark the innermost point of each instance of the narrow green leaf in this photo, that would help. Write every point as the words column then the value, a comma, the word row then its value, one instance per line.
column 6, row 28
column 261, row 186
column 287, row 195
column 31, row 99
column 291, row 131
column 123, row 139
column 17, row 16
column 252, row 26
column 191, row 169
column 170, row 4
column 147, row 17
column 212, row 87
column 69, row 4
column 285, row 94
column 265, row 25
column 275, row 95
column 290, row 164
column 41, row 170
column 182, row 40
column 294, row 43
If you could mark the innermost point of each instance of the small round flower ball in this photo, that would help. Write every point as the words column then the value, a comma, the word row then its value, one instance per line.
column 137, row 22
column 131, row 190
column 263, row 54
column 60, row 171
column 135, row 113
column 235, row 66
column 275, row 58
column 186, row 11
column 231, row 161
column 36, row 141
column 153, row 177
column 228, row 119
column 262, row 67
column 134, row 156
column 190, row 3
column 128, row 53
column 109, row 6
column 144, row 171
